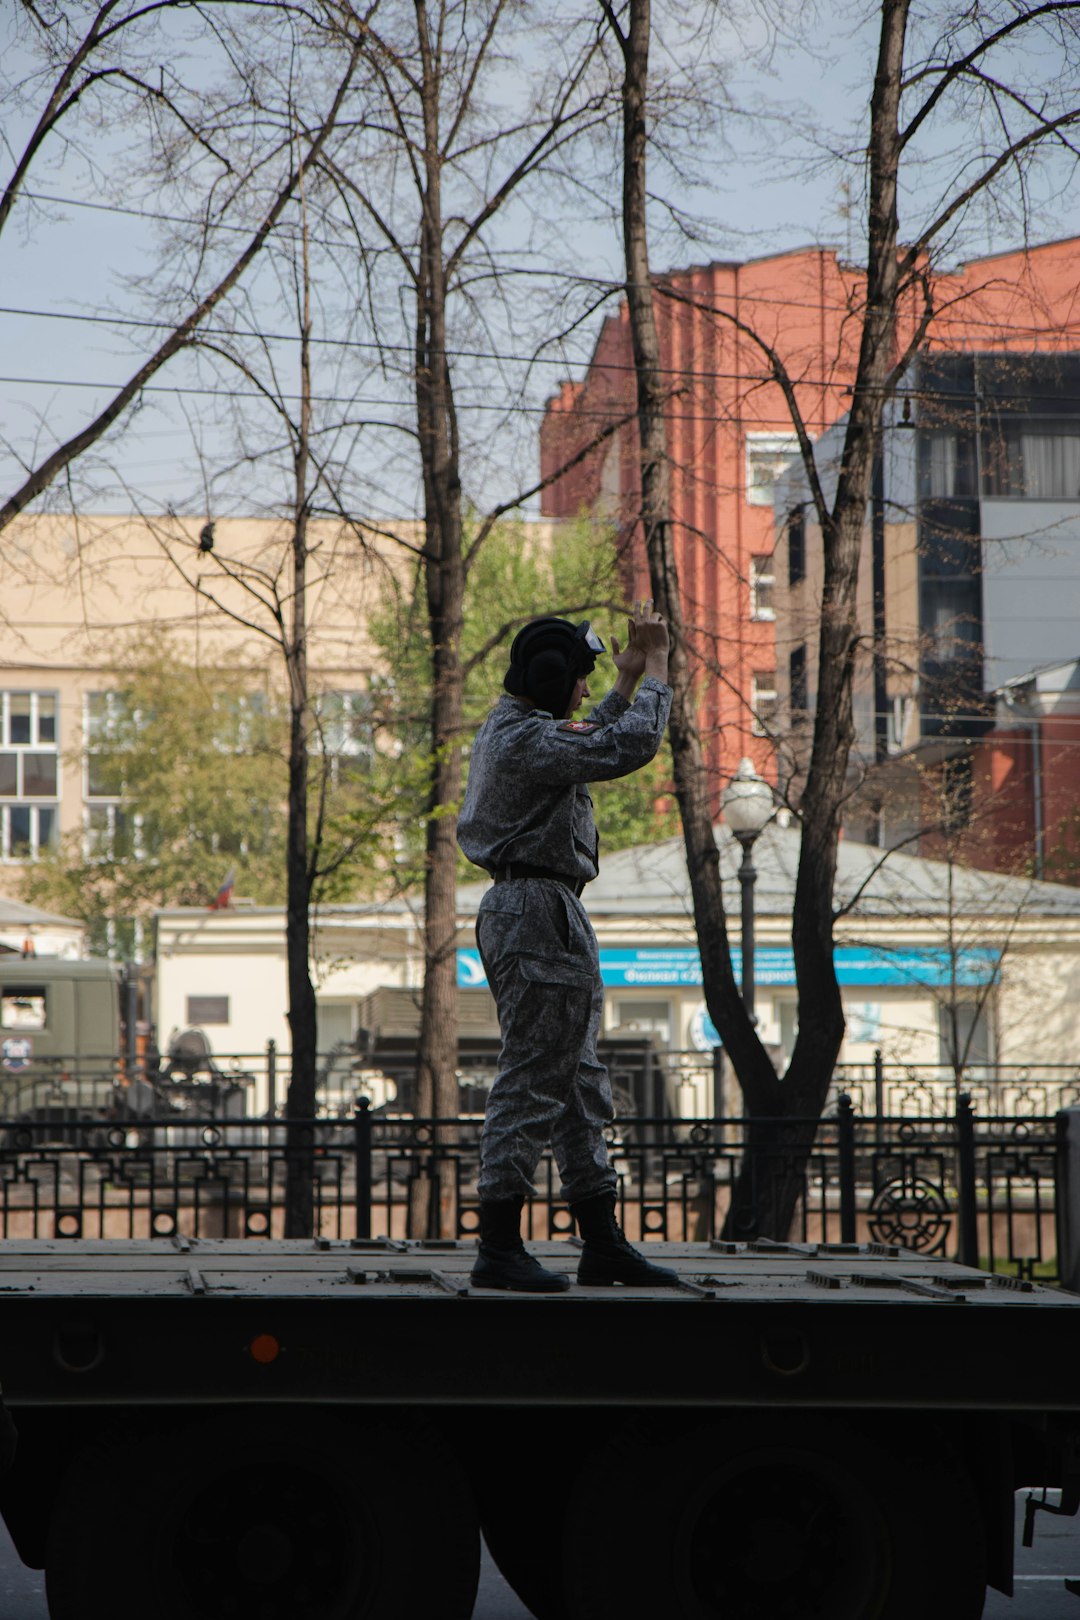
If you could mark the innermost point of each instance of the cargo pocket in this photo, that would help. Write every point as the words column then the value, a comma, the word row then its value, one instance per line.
column 555, row 970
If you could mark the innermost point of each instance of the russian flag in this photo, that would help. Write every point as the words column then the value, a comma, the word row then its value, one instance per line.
column 223, row 898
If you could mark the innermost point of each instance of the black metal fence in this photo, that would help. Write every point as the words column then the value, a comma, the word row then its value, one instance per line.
column 981, row 1189
column 647, row 1079
column 1003, row 1091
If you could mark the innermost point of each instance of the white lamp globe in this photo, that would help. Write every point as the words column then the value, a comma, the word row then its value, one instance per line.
column 747, row 801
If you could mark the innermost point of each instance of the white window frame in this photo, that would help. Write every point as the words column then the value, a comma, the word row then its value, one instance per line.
column 108, row 932
column 35, row 694
column 355, row 705
column 763, row 576
column 34, row 804
column 107, row 851
column 763, row 702
column 775, row 449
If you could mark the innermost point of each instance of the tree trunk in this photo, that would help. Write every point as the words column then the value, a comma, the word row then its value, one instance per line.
column 300, row 1101
column 444, row 583
column 821, row 1017
column 784, row 1112
column 303, row 1021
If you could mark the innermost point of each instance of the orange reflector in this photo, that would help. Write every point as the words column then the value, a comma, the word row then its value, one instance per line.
column 264, row 1348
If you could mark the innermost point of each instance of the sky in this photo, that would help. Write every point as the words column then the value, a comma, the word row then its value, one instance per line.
column 760, row 187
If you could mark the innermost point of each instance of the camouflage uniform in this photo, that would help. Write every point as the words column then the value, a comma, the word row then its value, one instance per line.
column 527, row 802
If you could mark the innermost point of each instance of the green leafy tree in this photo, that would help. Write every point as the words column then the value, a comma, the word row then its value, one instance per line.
column 189, row 776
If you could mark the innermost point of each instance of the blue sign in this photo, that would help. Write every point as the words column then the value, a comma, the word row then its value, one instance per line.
column 775, row 965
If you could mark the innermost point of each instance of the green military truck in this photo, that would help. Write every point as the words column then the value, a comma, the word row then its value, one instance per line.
column 60, row 1036
column 316, row 1430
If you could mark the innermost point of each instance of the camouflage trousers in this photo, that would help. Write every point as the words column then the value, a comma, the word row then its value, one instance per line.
column 540, row 955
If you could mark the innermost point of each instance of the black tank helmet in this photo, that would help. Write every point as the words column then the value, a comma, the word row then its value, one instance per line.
column 547, row 658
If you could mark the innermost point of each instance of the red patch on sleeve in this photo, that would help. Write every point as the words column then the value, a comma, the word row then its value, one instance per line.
column 579, row 728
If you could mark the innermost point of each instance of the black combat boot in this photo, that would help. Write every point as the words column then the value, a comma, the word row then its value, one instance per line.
column 504, row 1261
column 607, row 1257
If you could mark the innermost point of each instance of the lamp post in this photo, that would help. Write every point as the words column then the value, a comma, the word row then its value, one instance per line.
column 747, row 803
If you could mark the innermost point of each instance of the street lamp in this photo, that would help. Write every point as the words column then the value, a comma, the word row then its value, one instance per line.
column 747, row 803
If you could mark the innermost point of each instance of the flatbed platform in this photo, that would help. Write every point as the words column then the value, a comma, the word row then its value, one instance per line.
column 730, row 1273
column 179, row 1321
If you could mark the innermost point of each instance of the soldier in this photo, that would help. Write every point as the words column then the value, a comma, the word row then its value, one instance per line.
column 528, row 821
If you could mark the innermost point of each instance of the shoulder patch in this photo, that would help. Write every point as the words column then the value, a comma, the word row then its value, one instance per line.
column 579, row 728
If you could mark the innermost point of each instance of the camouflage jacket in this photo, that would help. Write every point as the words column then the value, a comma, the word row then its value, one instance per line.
column 527, row 798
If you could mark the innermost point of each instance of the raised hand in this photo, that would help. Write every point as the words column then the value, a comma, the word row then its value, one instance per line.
column 646, row 650
column 650, row 631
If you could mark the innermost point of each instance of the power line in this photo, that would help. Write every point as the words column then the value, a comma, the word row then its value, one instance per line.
column 817, row 306
column 379, row 347
column 189, row 391
column 936, row 397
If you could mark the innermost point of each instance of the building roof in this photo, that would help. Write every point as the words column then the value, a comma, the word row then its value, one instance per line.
column 651, row 880
column 1048, row 689
column 16, row 914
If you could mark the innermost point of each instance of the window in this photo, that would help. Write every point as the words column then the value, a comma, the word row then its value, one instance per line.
column 796, row 545
column 29, row 770
column 946, row 460
column 761, row 587
column 109, row 831
column 797, row 683
column 335, row 1022
column 763, row 701
column 122, row 939
column 1032, row 460
column 767, row 456
column 951, row 620
column 344, row 732
column 965, row 1033
column 345, row 722
column 22, row 1006
column 651, row 1017
column 238, row 718
column 105, row 715
column 27, row 775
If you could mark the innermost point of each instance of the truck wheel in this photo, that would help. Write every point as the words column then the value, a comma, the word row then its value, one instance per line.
column 324, row 1516
column 789, row 1517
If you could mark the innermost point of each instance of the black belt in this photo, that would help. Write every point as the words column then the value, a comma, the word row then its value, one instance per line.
column 521, row 869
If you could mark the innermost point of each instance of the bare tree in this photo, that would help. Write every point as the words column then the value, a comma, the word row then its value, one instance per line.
column 949, row 65
column 428, row 182
column 82, row 67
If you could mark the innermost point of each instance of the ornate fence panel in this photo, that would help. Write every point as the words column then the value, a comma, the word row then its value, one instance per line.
column 983, row 1190
column 918, row 1091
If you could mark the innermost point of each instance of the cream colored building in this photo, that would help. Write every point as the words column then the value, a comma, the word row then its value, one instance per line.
column 923, row 950
column 76, row 593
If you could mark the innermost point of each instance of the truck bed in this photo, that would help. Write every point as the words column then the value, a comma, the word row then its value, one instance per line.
column 176, row 1321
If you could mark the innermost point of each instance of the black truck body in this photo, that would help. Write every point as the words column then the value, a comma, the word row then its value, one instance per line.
column 314, row 1428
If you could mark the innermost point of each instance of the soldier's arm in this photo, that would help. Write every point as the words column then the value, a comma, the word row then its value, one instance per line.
column 597, row 750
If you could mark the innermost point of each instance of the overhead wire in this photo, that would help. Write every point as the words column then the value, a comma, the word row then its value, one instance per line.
column 380, row 347
column 816, row 305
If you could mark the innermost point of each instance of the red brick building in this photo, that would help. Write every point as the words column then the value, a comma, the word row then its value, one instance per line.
column 729, row 433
